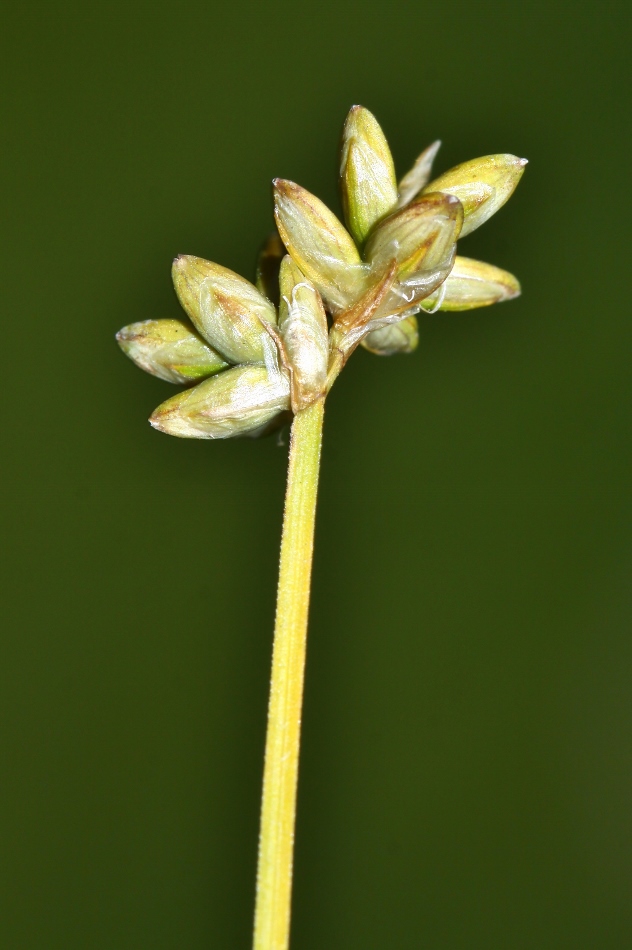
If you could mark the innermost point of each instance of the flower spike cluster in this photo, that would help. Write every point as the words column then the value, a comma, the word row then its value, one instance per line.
column 258, row 353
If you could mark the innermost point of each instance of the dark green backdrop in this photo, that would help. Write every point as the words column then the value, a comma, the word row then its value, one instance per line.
column 467, row 769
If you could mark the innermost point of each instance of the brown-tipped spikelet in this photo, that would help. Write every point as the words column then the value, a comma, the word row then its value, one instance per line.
column 226, row 309
column 240, row 401
column 170, row 350
column 482, row 185
column 474, row 284
column 319, row 244
column 367, row 174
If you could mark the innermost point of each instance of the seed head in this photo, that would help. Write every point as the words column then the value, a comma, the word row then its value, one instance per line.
column 322, row 288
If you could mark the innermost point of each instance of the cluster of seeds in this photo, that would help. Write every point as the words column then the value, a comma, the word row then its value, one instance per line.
column 253, row 354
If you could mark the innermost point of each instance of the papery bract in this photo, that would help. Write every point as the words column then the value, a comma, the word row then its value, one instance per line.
column 400, row 337
column 418, row 237
column 305, row 335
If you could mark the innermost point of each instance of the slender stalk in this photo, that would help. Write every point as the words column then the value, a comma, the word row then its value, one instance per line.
column 278, row 807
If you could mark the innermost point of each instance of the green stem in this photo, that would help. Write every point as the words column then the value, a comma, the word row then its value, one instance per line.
column 278, row 807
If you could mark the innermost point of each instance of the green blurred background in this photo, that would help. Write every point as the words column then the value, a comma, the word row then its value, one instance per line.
column 467, row 766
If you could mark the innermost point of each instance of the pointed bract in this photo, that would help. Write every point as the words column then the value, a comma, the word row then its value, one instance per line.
column 352, row 326
column 483, row 185
column 240, row 401
column 319, row 244
column 419, row 175
column 474, row 284
column 367, row 173
column 401, row 337
column 366, row 306
column 304, row 331
column 423, row 283
column 227, row 310
column 170, row 350
column 407, row 296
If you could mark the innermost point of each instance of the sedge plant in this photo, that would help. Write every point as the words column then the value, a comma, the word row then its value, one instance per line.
column 256, row 356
